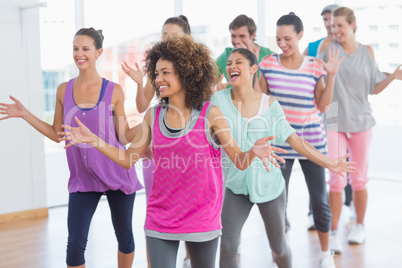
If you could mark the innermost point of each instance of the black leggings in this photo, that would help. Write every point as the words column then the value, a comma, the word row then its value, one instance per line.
column 314, row 176
column 81, row 208
column 163, row 253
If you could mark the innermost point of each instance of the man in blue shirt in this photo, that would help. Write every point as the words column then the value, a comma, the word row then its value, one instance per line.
column 326, row 12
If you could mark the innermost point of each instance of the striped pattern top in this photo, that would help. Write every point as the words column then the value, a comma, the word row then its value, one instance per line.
column 294, row 89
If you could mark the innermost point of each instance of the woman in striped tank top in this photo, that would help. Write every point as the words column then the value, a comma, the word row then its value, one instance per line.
column 186, row 197
column 297, row 82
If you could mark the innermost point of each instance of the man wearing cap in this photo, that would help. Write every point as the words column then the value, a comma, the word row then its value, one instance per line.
column 312, row 48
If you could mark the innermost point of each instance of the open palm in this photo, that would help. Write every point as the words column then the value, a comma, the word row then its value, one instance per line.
column 75, row 135
column 333, row 63
column 136, row 74
column 12, row 110
column 340, row 165
column 263, row 150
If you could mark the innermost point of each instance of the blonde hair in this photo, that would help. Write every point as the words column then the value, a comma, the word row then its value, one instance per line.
column 347, row 13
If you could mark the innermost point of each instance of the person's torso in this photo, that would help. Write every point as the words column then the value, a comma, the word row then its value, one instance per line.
column 357, row 76
column 186, row 195
column 255, row 181
column 295, row 91
column 90, row 170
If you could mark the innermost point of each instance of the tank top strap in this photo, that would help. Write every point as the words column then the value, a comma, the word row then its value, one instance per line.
column 68, row 93
column 107, row 97
column 201, row 119
column 156, row 122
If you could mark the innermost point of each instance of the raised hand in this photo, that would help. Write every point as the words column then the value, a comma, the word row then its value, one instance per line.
column 220, row 84
column 333, row 63
column 12, row 110
column 80, row 134
column 136, row 74
column 340, row 165
column 263, row 150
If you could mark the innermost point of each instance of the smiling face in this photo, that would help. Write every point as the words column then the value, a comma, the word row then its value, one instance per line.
column 166, row 79
column 171, row 28
column 287, row 39
column 85, row 52
column 239, row 70
column 342, row 29
column 240, row 37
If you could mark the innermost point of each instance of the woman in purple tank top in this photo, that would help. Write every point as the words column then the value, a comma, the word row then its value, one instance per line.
column 99, row 103
column 186, row 198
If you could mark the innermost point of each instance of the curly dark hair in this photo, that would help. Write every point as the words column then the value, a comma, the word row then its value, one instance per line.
column 191, row 61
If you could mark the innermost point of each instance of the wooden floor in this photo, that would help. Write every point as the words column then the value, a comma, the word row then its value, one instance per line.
column 42, row 243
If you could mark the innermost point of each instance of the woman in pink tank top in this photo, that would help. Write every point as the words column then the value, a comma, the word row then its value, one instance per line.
column 99, row 103
column 186, row 198
column 173, row 26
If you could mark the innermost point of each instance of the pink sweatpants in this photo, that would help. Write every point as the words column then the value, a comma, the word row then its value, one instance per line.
column 358, row 145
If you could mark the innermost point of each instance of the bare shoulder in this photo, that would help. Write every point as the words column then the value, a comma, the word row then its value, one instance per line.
column 371, row 51
column 61, row 90
column 118, row 93
column 214, row 112
column 148, row 115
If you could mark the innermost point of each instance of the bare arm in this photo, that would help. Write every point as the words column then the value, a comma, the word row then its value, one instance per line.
column 124, row 133
column 126, row 159
column 18, row 110
column 144, row 94
column 241, row 159
column 307, row 150
column 397, row 74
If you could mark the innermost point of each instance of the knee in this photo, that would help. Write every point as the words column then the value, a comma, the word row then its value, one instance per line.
column 337, row 183
column 358, row 184
column 322, row 218
column 125, row 241
column 75, row 251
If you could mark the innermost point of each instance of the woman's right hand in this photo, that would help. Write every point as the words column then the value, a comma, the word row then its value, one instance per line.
column 263, row 150
column 136, row 74
column 12, row 110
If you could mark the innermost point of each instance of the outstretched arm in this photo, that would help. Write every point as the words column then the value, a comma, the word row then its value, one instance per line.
column 17, row 110
column 397, row 74
column 126, row 159
column 144, row 94
column 323, row 94
column 241, row 159
column 304, row 148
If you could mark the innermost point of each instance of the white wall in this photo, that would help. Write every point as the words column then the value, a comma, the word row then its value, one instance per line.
column 22, row 168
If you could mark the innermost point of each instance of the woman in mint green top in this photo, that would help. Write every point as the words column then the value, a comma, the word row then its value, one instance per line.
column 251, row 114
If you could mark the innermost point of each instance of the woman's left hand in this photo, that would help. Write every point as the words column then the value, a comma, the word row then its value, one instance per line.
column 340, row 165
column 333, row 63
column 80, row 134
